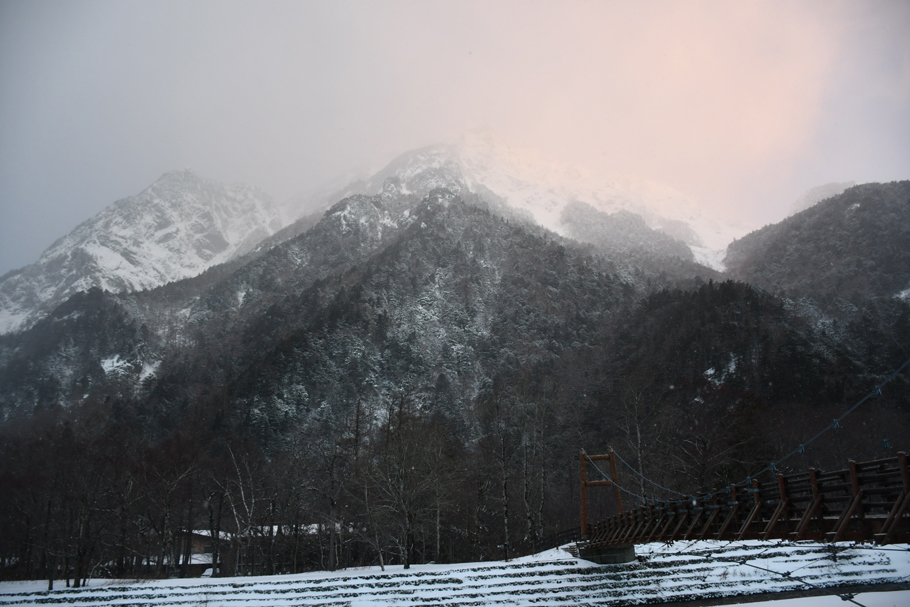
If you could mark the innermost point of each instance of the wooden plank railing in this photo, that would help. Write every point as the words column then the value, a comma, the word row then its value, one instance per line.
column 867, row 501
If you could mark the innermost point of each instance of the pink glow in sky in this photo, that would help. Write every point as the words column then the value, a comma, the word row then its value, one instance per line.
column 741, row 106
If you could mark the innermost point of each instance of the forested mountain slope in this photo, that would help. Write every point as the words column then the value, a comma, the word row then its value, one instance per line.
column 853, row 246
column 448, row 295
column 461, row 301
column 726, row 375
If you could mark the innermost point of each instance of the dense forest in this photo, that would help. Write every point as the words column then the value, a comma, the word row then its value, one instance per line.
column 411, row 379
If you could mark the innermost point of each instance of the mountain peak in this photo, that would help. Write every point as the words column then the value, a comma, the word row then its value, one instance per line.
column 538, row 187
column 177, row 227
column 178, row 178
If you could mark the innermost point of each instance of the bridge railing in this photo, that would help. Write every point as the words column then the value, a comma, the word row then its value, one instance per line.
column 867, row 501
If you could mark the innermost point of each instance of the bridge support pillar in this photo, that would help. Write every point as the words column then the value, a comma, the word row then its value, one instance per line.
column 608, row 555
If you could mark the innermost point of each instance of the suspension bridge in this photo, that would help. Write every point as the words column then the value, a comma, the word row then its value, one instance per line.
column 865, row 501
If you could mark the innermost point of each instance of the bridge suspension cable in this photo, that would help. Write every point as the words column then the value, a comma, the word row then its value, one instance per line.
column 612, row 480
column 645, row 478
column 773, row 466
column 885, row 444
column 835, row 424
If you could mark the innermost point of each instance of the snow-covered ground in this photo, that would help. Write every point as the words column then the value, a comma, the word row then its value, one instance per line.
column 664, row 573
column 867, row 599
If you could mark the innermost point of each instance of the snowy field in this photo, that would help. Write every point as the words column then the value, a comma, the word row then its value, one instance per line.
column 664, row 573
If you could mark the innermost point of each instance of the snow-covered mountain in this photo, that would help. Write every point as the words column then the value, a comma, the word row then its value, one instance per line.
column 545, row 191
column 178, row 227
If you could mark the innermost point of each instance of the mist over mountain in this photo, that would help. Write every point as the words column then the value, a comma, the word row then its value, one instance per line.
column 529, row 182
column 623, row 235
column 820, row 192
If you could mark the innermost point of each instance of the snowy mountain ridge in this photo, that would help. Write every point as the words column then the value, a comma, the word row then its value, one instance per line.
column 545, row 191
column 178, row 227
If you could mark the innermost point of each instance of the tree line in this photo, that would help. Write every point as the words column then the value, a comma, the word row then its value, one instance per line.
column 88, row 494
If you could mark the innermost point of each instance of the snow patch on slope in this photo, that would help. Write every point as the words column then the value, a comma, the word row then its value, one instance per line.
column 711, row 258
column 149, row 369
column 718, row 377
column 114, row 365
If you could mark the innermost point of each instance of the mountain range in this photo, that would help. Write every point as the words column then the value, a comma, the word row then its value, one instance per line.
column 176, row 285
column 192, row 274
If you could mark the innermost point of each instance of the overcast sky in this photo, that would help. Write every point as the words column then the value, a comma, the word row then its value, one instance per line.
column 741, row 106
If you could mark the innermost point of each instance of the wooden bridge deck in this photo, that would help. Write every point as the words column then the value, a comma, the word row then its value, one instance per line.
column 866, row 501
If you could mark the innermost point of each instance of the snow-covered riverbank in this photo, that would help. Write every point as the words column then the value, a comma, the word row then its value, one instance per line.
column 664, row 573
